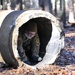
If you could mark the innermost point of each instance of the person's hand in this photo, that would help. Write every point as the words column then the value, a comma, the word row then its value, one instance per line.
column 36, row 58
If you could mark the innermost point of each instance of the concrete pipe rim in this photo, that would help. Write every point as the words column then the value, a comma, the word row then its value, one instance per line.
column 32, row 14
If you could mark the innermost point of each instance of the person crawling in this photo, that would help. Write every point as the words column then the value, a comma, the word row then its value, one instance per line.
column 28, row 39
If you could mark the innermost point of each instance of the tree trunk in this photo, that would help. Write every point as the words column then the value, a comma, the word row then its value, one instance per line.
column 64, row 13
column 13, row 4
column 4, row 4
column 71, row 11
column 19, row 5
column 50, row 6
column 46, row 5
column 63, row 17
column 61, row 5
column 56, row 7
column 41, row 4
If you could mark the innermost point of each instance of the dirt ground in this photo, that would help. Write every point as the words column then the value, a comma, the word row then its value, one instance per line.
column 64, row 65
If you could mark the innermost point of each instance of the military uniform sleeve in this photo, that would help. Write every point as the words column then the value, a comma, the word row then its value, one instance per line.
column 35, row 45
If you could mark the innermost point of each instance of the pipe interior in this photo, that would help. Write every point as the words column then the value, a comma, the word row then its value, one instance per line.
column 44, row 31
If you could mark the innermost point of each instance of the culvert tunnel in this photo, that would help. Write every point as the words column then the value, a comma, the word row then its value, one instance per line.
column 49, row 31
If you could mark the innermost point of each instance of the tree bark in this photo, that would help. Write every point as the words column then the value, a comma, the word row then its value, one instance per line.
column 56, row 7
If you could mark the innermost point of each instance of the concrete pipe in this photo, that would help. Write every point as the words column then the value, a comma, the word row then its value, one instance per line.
column 49, row 31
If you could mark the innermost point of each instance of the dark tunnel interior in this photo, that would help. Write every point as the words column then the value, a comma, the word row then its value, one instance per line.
column 44, row 31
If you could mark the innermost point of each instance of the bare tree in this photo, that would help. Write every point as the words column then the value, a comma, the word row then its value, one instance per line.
column 0, row 4
column 50, row 7
column 64, row 13
column 46, row 5
column 41, row 4
column 19, row 5
column 71, row 11
column 61, row 7
column 55, row 7
column 4, row 4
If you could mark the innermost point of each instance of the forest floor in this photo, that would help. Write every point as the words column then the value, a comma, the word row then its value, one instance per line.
column 64, row 65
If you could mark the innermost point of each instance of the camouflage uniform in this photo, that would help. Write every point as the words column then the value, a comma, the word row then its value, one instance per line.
column 32, row 44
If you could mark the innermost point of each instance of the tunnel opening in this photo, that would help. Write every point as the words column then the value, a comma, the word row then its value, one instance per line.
column 44, row 31
column 49, row 32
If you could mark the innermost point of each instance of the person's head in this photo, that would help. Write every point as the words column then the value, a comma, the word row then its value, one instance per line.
column 30, row 30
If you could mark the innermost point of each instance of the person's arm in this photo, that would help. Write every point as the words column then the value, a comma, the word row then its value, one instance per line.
column 35, row 48
column 19, row 45
column 35, row 45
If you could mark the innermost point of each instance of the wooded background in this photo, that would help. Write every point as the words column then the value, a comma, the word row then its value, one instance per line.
column 59, row 8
